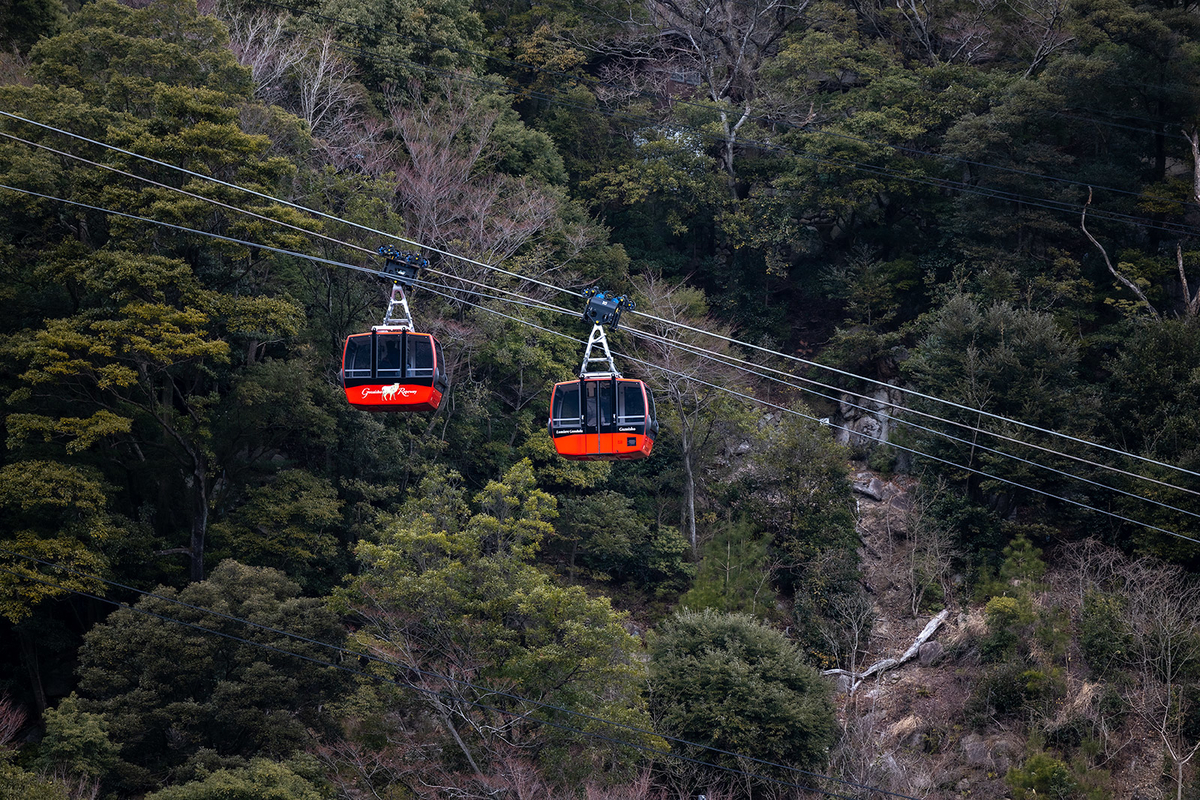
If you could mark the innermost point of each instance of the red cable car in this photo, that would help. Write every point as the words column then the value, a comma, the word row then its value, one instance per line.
column 602, row 416
column 393, row 368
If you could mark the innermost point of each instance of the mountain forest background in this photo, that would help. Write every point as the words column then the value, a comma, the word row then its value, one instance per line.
column 219, row 580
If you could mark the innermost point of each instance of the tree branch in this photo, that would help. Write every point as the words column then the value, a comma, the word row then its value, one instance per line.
column 1128, row 284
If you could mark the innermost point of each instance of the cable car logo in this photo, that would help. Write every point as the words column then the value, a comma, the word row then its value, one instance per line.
column 388, row 393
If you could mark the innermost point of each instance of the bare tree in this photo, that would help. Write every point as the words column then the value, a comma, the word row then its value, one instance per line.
column 929, row 553
column 691, row 381
column 12, row 719
column 1042, row 28
column 719, row 46
column 1163, row 620
column 1191, row 299
column 846, row 627
column 307, row 76
column 449, row 191
column 1123, row 279
column 259, row 40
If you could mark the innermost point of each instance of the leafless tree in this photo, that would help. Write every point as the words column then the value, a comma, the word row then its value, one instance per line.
column 929, row 553
column 1041, row 28
column 12, row 719
column 717, row 46
column 307, row 76
column 448, row 189
column 1191, row 299
column 1091, row 566
column 1163, row 620
column 690, row 381
column 260, row 40
column 1123, row 279
column 962, row 35
column 846, row 627
column 864, row 756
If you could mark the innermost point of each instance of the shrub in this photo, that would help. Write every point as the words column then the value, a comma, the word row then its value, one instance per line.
column 1042, row 776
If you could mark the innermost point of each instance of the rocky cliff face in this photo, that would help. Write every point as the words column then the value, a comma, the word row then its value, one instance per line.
column 929, row 727
column 866, row 420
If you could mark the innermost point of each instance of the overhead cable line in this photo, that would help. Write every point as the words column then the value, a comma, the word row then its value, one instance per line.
column 356, row 654
column 785, row 409
column 227, row 206
column 559, row 310
column 899, row 419
column 630, row 357
column 475, row 262
column 288, row 203
column 449, row 275
column 922, row 395
column 753, row 369
column 341, row 243
column 787, row 379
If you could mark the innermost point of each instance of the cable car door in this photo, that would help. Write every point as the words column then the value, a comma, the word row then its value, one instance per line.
column 598, row 416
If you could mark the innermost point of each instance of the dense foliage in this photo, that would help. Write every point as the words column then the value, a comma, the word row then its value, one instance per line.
column 990, row 204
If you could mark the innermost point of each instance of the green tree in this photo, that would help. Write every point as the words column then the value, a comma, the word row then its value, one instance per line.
column 288, row 524
column 449, row 597
column 726, row 681
column 398, row 40
column 798, row 491
column 52, row 513
column 1042, row 775
column 734, row 574
column 1150, row 407
column 23, row 21
column 126, row 335
column 19, row 784
column 260, row 780
column 76, row 742
column 181, row 686
column 1006, row 361
column 605, row 535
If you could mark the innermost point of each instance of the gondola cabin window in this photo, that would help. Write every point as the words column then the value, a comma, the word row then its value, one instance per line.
column 566, row 405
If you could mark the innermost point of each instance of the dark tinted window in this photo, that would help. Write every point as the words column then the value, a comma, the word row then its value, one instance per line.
column 606, row 402
column 358, row 356
column 589, row 416
column 420, row 356
column 634, row 408
column 566, row 404
column 388, row 354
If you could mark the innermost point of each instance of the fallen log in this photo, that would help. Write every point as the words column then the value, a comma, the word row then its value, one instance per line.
column 888, row 663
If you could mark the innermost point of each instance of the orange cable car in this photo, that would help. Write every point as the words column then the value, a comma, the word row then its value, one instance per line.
column 393, row 368
column 602, row 419
column 602, row 416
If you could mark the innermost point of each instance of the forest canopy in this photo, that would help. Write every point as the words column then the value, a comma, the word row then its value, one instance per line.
column 950, row 243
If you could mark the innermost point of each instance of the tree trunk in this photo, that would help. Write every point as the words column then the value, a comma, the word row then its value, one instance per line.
column 199, row 482
column 29, row 656
column 689, row 484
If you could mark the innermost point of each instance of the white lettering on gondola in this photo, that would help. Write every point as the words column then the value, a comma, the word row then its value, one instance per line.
column 388, row 393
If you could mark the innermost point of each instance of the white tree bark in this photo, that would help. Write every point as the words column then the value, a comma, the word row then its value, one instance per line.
column 888, row 663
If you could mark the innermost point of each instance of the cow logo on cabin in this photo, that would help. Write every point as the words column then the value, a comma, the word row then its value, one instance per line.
column 388, row 393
